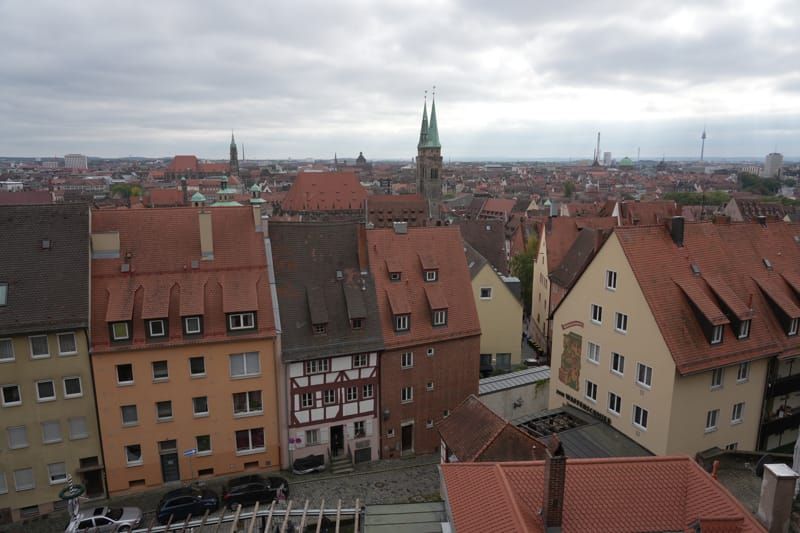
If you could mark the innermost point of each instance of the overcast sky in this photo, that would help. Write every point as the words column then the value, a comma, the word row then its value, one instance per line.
column 517, row 78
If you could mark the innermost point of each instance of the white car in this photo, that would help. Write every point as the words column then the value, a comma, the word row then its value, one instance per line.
column 102, row 519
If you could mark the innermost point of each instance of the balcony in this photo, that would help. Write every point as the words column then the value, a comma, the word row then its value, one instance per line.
column 783, row 386
column 779, row 425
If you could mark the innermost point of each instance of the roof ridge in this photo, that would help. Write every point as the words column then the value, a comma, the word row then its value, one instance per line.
column 511, row 498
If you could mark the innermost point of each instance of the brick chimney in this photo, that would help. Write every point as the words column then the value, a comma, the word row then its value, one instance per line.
column 777, row 494
column 555, row 471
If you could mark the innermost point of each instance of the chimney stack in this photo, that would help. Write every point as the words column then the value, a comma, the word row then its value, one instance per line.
column 257, row 217
column 185, row 191
column 555, row 471
column 206, row 236
column 762, row 219
column 676, row 231
column 777, row 494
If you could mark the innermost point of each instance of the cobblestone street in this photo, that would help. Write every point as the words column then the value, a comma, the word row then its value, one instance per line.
column 389, row 481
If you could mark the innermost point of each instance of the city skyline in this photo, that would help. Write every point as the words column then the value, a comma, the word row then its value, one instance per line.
column 514, row 81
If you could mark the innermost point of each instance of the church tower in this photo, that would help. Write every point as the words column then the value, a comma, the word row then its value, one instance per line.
column 234, row 164
column 429, row 161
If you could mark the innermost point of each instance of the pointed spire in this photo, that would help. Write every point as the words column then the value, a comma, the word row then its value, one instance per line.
column 433, row 131
column 423, row 131
column 233, row 141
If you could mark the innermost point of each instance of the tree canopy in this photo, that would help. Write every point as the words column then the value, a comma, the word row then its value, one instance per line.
column 522, row 268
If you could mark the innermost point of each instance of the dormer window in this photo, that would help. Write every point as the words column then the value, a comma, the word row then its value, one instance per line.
column 431, row 275
column 320, row 329
column 157, row 328
column 120, row 331
column 716, row 335
column 793, row 326
column 192, row 325
column 401, row 322
column 395, row 276
column 239, row 321
column 440, row 317
column 744, row 329
column 357, row 323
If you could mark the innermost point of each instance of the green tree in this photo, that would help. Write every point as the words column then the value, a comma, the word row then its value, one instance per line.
column 569, row 189
column 522, row 268
column 125, row 191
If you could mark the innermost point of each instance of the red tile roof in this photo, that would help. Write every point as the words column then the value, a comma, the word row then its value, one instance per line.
column 164, row 197
column 561, row 232
column 325, row 191
column 183, row 163
column 498, row 207
column 443, row 245
column 601, row 495
column 25, row 198
column 163, row 244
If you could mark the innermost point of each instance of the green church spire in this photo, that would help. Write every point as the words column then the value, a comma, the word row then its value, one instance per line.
column 433, row 130
column 423, row 131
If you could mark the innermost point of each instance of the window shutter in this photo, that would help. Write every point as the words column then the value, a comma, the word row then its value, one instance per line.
column 350, row 431
column 300, row 440
column 323, row 435
column 368, row 427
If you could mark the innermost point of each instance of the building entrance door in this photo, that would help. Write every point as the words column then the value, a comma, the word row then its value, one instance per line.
column 170, row 469
column 407, row 438
column 337, row 440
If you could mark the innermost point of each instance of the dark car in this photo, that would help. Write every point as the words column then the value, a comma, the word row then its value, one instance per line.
column 308, row 464
column 186, row 501
column 247, row 490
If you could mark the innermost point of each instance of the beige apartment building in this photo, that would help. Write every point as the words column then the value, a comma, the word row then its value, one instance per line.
column 47, row 400
column 673, row 331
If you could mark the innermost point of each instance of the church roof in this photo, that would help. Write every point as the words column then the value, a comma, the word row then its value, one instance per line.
column 423, row 131
column 433, row 130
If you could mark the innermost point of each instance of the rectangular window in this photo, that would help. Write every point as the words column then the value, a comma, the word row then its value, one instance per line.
column 160, row 371
column 329, row 396
column 77, row 428
column 431, row 352
column 614, row 403
column 744, row 329
column 367, row 391
column 351, row 394
column 57, row 472
column 360, row 360
column 245, row 364
column 617, row 363
column 429, row 386
column 3, row 483
column 312, row 437
column 716, row 378
column 316, row 366
column 716, row 335
column 597, row 314
column 430, row 275
column 73, row 387
column 732, row 446
column 203, row 444
column 440, row 317
column 133, row 454
column 611, row 280
column 51, row 432
column 197, row 366
column 359, row 429
column 247, row 403
column 200, row 405
column 306, row 400
column 192, row 325
column 357, row 323
column 39, row 347
column 125, row 374
column 401, row 322
column 711, row 420
column 250, row 440
column 157, row 328
column 407, row 360
column 11, row 395
column 130, row 415
column 486, row 293
column 3, row 293
column 644, row 375
column 394, row 276
column 593, row 352
column 45, row 390
column 119, row 331
column 17, row 437
column 640, row 417
column 67, row 344
column 407, row 394
column 23, row 479
column 237, row 321
column 591, row 390
column 320, row 329
column 793, row 326
column 503, row 361
column 164, row 410
column 621, row 322
column 738, row 411
column 743, row 372
column 6, row 350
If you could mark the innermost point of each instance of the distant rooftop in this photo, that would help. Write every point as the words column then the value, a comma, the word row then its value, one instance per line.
column 513, row 379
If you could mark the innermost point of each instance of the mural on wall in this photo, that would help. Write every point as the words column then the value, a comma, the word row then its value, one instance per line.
column 570, row 371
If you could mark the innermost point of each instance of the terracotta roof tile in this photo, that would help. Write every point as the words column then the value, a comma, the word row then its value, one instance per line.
column 561, row 233
column 729, row 298
column 488, row 239
column 435, row 296
column 183, row 163
column 25, row 198
column 778, row 297
column 398, row 300
column 240, row 291
column 703, row 303
column 192, row 291
column 325, row 191
column 156, row 299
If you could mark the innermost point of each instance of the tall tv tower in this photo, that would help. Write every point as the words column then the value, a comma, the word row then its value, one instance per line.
column 702, row 144
column 596, row 162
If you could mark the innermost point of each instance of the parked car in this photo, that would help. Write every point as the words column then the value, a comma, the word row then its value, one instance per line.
column 308, row 464
column 247, row 490
column 186, row 501
column 102, row 519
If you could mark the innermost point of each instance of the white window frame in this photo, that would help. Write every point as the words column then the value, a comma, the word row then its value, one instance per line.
column 151, row 323
column 361, row 360
column 195, row 412
column 744, row 329
column 210, row 449
column 24, row 434
column 440, row 317
column 488, row 295
column 329, row 397
column 72, row 421
column 242, row 319
column 197, row 374
column 737, row 419
column 429, row 386
column 591, row 391
column 620, row 322
column 716, row 334
column 32, row 485
column 648, row 375
column 30, row 346
column 52, row 398
column 407, row 360
column 717, row 378
column 596, row 314
column 618, row 369
column 249, row 410
column 593, row 352
column 429, row 424
column 135, row 462
column 60, row 479
column 431, row 352
column 367, row 391
column 351, row 394
column 359, row 429
column 158, row 379
column 643, row 416
column 75, row 394
column 247, row 373
column 116, row 337
column 401, row 322
column 312, row 437
column 74, row 341
column 407, row 395
column 614, row 400
column 611, row 280
column 712, row 418
column 395, row 276
column 431, row 275
column 3, row 483
column 3, row 396
column 793, row 326
column 171, row 415
column 304, row 404
column 190, row 331
column 316, row 366
column 52, row 424
column 134, row 422
column 116, row 370
column 11, row 345
column 743, row 372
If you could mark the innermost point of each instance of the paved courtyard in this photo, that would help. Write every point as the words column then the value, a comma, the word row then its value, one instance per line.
column 389, row 481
